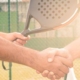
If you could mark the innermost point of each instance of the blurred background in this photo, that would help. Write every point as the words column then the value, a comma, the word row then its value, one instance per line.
column 12, row 18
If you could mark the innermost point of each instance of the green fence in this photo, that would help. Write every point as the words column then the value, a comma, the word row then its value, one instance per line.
column 12, row 19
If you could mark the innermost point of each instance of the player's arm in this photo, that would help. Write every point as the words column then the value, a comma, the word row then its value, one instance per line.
column 74, row 48
column 2, row 34
column 15, row 37
column 18, row 54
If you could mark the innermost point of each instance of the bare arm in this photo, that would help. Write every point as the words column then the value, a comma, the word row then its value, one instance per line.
column 74, row 48
column 20, row 39
column 2, row 34
column 14, row 53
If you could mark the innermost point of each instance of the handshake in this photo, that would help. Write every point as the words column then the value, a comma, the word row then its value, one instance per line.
column 53, row 63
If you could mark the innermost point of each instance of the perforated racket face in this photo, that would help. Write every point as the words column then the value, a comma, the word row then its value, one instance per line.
column 51, row 13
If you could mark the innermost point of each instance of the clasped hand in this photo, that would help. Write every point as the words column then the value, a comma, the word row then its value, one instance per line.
column 56, row 63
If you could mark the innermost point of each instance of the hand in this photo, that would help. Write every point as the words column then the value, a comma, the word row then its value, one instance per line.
column 21, row 40
column 61, row 64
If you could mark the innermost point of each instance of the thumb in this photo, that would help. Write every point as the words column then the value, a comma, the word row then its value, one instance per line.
column 62, row 53
column 52, row 53
column 19, row 36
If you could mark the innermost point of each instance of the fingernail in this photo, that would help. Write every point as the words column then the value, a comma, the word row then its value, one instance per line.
column 51, row 73
column 28, row 36
column 50, row 59
column 46, row 71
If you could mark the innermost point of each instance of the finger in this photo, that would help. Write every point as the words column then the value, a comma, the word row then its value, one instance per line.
column 62, row 52
column 66, row 57
column 17, row 43
column 50, row 75
column 37, row 72
column 51, row 54
column 28, row 37
column 20, row 36
column 61, row 74
column 64, row 69
column 58, row 62
column 59, row 65
column 67, row 62
column 22, row 42
column 45, row 73
column 57, row 77
column 54, row 78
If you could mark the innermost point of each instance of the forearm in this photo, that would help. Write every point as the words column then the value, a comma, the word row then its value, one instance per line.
column 74, row 48
column 14, row 53
column 2, row 34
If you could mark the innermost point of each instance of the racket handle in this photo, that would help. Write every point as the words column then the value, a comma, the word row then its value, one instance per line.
column 25, row 33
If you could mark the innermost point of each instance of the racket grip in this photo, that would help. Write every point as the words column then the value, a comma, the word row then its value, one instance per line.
column 25, row 33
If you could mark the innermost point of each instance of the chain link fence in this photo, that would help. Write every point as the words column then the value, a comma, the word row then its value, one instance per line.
column 12, row 19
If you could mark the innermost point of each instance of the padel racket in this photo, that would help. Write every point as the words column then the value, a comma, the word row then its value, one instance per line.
column 51, row 14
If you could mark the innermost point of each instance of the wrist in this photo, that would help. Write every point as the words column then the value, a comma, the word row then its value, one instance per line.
column 70, row 52
column 34, row 60
column 39, row 62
